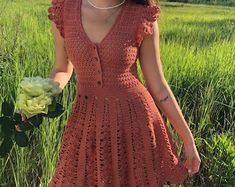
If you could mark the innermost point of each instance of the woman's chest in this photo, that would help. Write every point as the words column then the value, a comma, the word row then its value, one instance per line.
column 117, row 40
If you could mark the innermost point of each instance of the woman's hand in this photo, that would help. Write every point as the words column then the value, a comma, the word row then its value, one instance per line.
column 193, row 160
column 23, row 117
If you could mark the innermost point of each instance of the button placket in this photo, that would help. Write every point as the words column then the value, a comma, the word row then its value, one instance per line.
column 98, row 66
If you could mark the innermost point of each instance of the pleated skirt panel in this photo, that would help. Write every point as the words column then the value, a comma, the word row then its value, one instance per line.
column 116, row 140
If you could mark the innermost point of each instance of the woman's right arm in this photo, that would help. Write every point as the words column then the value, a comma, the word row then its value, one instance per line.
column 63, row 68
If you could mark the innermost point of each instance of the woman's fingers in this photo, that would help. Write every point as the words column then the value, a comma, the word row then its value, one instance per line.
column 193, row 165
column 17, row 128
column 196, row 164
column 23, row 117
column 193, row 160
column 188, row 165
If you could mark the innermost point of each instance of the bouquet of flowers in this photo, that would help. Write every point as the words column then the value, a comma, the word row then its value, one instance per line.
column 36, row 98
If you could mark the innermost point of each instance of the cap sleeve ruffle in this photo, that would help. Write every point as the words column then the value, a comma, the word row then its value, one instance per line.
column 55, row 14
column 150, row 14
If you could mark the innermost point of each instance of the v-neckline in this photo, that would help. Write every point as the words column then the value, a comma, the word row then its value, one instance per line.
column 116, row 22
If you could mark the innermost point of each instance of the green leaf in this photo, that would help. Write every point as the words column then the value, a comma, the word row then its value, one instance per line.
column 58, row 111
column 17, row 117
column 25, row 126
column 7, row 108
column 8, row 126
column 1, row 119
column 21, row 139
column 6, row 146
column 1, row 135
column 36, row 120
column 52, row 107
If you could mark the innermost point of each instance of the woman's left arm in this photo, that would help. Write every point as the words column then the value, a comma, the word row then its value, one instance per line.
column 158, row 87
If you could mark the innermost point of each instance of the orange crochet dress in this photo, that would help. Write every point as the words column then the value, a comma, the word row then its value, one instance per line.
column 115, row 135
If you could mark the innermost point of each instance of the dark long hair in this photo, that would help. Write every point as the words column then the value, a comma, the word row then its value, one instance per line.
column 146, row 2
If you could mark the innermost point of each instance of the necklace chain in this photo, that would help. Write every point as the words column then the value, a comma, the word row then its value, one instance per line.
column 106, row 8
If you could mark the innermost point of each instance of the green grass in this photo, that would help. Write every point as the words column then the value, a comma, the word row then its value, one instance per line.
column 210, row 2
column 197, row 53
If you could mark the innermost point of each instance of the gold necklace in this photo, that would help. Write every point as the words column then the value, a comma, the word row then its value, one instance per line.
column 106, row 20
column 106, row 7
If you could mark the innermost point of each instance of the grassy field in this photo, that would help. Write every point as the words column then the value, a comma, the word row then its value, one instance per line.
column 209, row 2
column 197, row 52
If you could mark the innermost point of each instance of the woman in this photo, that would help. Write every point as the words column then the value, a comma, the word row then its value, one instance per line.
column 115, row 135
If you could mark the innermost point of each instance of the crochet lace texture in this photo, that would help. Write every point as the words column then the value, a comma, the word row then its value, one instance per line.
column 115, row 135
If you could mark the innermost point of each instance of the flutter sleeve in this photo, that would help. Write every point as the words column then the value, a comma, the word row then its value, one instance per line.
column 55, row 14
column 150, row 13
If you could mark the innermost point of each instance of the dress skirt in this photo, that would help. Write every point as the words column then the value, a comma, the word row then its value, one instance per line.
column 116, row 138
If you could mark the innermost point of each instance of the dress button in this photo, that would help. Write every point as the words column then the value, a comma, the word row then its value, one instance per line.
column 98, row 71
column 96, row 58
column 99, row 82
column 96, row 97
column 86, row 96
